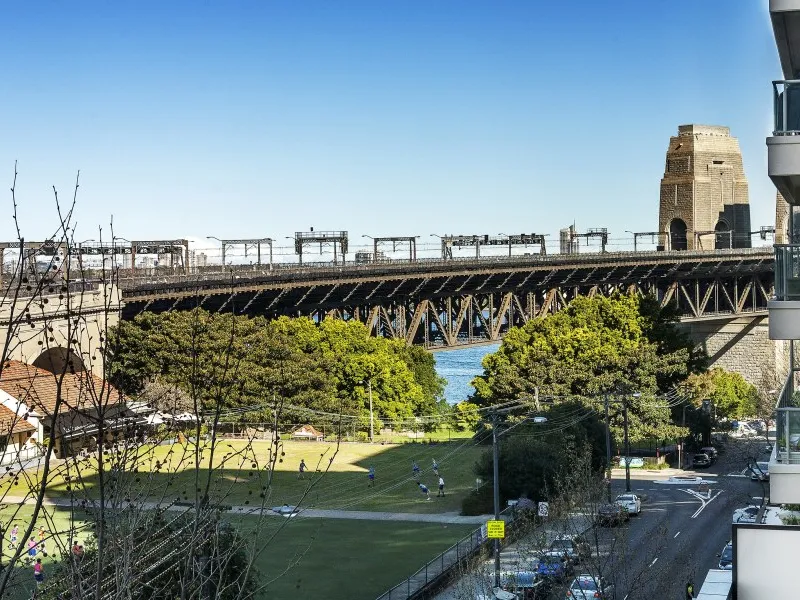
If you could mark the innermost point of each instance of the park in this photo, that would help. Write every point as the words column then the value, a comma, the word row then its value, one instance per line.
column 379, row 551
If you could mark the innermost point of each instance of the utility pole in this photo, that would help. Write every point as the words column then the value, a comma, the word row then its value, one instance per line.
column 371, row 426
column 496, row 467
column 608, row 450
column 627, row 447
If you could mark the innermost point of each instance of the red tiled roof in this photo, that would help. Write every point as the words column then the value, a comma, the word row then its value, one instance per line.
column 39, row 390
column 12, row 423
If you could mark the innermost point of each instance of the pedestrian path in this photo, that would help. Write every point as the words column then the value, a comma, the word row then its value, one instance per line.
column 313, row 513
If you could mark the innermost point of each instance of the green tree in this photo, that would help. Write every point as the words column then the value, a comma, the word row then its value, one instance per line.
column 729, row 392
column 293, row 362
column 594, row 347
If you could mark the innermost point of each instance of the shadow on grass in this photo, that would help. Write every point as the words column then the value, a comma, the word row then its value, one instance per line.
column 346, row 486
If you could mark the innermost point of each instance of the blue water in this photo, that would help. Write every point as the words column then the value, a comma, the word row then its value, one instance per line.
column 459, row 367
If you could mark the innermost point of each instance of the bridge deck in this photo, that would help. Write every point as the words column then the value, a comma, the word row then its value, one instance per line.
column 452, row 302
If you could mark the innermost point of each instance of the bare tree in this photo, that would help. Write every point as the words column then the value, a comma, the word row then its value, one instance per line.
column 146, row 499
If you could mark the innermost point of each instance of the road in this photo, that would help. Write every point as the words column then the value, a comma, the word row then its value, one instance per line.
column 678, row 536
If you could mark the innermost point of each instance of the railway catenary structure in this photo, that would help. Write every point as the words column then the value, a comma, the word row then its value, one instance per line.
column 447, row 303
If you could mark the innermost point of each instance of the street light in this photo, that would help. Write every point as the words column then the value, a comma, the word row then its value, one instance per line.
column 634, row 238
column 371, row 427
column 496, row 482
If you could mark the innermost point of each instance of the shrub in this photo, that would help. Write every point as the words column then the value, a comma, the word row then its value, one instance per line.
column 478, row 502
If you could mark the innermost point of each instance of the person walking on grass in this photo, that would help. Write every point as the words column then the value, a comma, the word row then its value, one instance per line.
column 302, row 473
column 31, row 549
column 42, row 541
column 14, row 534
column 424, row 489
column 38, row 572
column 415, row 469
column 435, row 467
column 441, row 487
column 371, row 476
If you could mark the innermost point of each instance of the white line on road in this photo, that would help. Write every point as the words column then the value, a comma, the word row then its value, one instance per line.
column 626, row 597
column 654, row 561
column 676, row 535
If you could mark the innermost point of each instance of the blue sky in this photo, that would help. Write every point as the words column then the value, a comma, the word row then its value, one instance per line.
column 249, row 119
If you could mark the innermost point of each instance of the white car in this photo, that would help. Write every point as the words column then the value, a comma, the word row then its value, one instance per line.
column 630, row 502
column 746, row 515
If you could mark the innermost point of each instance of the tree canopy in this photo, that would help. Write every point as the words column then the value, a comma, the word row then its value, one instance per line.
column 595, row 347
column 732, row 396
column 328, row 366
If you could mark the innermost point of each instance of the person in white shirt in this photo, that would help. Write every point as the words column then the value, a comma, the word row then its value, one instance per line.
column 441, row 487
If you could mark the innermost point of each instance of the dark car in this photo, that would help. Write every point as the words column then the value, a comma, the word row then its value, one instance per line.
column 726, row 557
column 711, row 452
column 553, row 566
column 574, row 549
column 611, row 514
column 701, row 460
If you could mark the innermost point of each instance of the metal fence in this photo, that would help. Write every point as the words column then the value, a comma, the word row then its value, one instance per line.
column 442, row 564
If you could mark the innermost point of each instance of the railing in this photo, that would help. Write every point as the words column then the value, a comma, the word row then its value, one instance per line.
column 786, row 95
column 787, row 271
column 440, row 566
column 291, row 271
column 787, row 430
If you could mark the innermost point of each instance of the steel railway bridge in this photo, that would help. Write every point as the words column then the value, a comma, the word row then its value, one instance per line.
column 446, row 303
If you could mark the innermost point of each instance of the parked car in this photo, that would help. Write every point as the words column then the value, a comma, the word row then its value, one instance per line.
column 611, row 514
column 711, row 452
column 726, row 557
column 554, row 566
column 760, row 472
column 701, row 460
column 517, row 584
column 573, row 548
column 630, row 502
column 588, row 587
column 746, row 515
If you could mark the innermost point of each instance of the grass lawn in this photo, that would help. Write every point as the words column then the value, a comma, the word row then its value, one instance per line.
column 167, row 473
column 344, row 559
column 60, row 530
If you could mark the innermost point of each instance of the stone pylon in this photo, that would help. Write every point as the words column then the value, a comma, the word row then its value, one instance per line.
column 704, row 201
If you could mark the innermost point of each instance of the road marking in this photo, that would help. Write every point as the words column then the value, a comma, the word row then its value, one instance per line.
column 704, row 500
column 654, row 561
column 676, row 535
column 626, row 597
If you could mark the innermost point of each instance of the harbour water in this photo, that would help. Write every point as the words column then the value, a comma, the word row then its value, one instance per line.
column 459, row 367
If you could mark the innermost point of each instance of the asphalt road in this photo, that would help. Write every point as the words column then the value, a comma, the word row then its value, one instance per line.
column 677, row 536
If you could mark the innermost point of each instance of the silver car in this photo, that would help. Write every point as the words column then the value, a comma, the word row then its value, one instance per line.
column 589, row 587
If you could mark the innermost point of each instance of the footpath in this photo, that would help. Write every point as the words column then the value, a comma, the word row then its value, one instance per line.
column 519, row 556
column 312, row 513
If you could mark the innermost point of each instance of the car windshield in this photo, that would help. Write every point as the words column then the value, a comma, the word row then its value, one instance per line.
column 727, row 554
column 584, row 584
column 625, row 498
column 559, row 544
column 550, row 560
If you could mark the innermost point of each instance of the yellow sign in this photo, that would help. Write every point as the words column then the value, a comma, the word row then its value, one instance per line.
column 496, row 529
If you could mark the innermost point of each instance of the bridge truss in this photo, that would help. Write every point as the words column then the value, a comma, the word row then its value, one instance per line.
column 458, row 302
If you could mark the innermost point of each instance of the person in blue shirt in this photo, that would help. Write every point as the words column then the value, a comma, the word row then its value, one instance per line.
column 415, row 469
column 424, row 489
column 435, row 467
column 371, row 476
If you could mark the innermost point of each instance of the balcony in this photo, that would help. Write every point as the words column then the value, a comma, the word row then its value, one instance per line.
column 783, row 147
column 784, row 309
column 784, row 465
column 785, row 16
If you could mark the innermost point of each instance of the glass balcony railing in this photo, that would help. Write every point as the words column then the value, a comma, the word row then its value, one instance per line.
column 787, row 430
column 787, row 271
column 786, row 96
